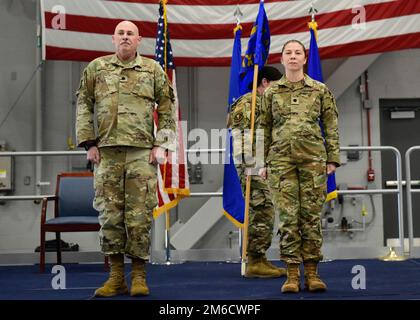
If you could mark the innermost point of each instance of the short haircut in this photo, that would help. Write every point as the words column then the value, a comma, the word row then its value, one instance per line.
column 269, row 73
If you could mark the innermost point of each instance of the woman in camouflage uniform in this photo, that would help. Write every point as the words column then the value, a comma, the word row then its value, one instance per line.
column 298, row 160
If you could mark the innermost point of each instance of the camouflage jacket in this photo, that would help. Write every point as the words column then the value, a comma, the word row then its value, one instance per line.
column 124, row 96
column 240, row 123
column 290, row 117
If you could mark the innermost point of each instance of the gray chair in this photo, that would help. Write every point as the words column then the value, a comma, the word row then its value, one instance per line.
column 73, row 210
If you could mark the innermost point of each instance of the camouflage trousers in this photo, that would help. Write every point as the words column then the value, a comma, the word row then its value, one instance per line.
column 298, row 192
column 125, row 195
column 261, row 215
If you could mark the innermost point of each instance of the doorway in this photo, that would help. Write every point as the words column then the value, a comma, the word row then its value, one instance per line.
column 400, row 128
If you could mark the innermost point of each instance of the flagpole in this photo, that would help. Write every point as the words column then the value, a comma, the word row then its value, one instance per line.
column 164, row 57
column 164, row 35
column 248, row 177
column 167, row 212
column 167, row 238
column 313, row 25
column 238, row 14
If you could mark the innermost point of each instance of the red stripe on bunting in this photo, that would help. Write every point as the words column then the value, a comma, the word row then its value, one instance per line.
column 181, row 175
column 202, row 2
column 160, row 199
column 374, row 12
column 406, row 41
column 394, row 43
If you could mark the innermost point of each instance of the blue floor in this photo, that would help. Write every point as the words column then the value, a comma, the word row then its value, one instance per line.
column 218, row 281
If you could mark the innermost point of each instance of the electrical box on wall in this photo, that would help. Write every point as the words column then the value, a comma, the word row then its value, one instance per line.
column 353, row 155
column 6, row 173
column 367, row 104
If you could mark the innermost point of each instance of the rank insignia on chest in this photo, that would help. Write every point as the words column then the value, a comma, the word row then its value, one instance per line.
column 295, row 100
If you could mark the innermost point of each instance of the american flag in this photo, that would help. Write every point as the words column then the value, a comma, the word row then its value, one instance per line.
column 164, row 54
column 202, row 29
column 173, row 182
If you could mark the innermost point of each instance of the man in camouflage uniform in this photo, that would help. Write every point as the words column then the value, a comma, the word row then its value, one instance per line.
column 123, row 88
column 298, row 161
column 261, row 213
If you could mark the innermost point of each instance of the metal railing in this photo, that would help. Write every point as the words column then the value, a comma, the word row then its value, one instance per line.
column 31, row 154
column 398, row 190
column 409, row 197
column 79, row 153
column 42, row 153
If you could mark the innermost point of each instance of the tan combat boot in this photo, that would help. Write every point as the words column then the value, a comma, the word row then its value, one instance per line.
column 292, row 283
column 138, row 278
column 281, row 271
column 115, row 285
column 312, row 280
column 259, row 267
